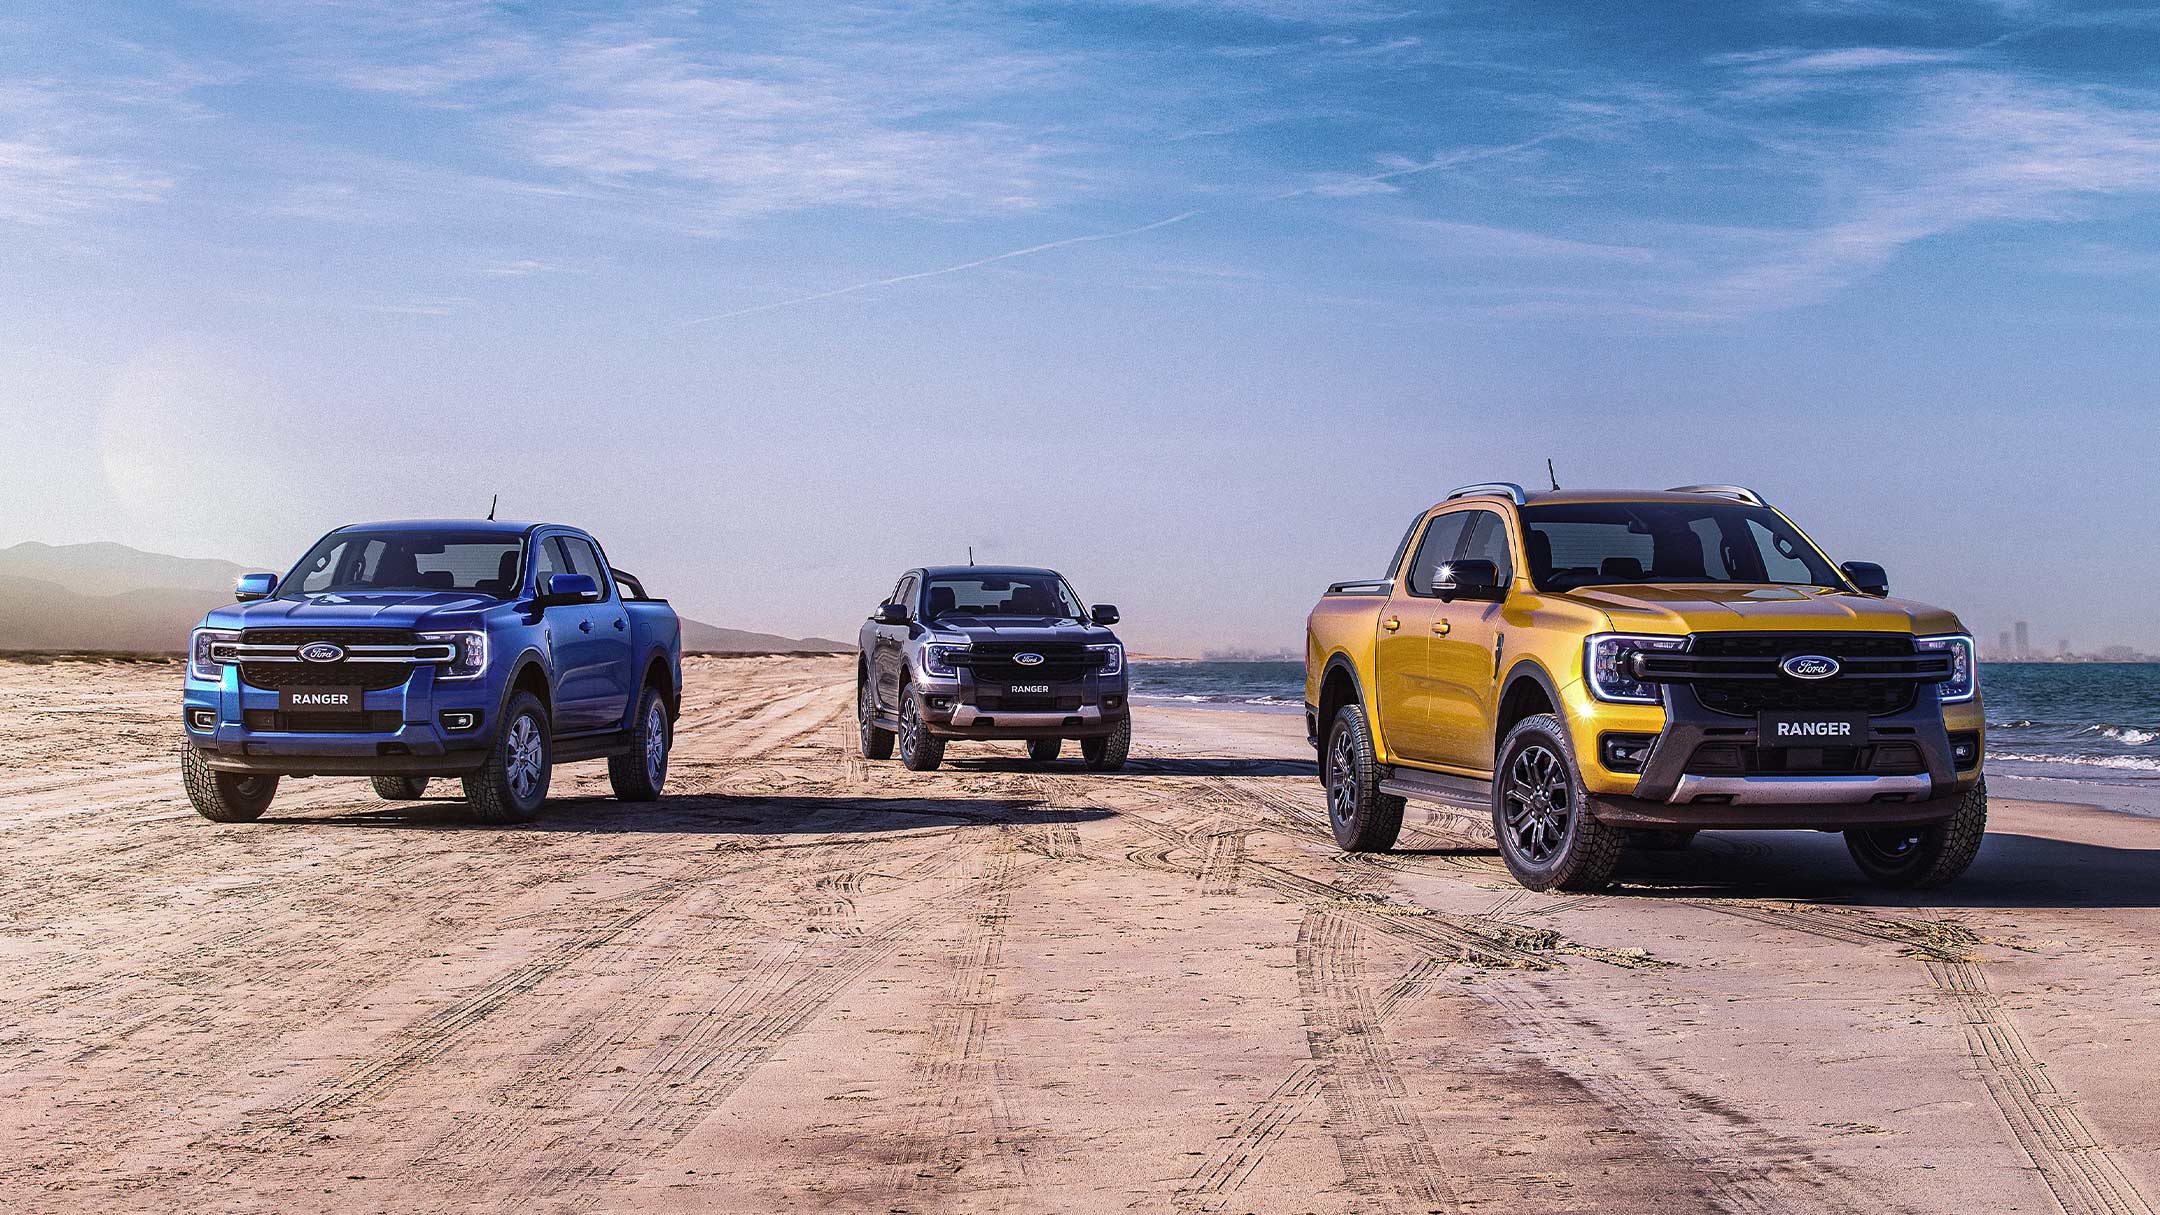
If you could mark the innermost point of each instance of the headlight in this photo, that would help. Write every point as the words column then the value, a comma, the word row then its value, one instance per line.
column 1113, row 658
column 937, row 658
column 471, row 656
column 209, row 652
column 1964, row 681
column 1604, row 666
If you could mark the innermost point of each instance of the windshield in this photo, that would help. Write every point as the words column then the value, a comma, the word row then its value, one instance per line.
column 484, row 563
column 1617, row 543
column 1000, row 595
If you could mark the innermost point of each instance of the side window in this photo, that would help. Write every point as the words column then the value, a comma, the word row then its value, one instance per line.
column 905, row 596
column 585, row 559
column 1489, row 540
column 551, row 562
column 1442, row 537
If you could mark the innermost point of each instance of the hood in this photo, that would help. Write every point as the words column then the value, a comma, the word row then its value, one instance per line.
column 1696, row 607
column 1022, row 630
column 355, row 609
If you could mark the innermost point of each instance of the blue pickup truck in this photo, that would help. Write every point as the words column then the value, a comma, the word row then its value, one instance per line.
column 489, row 651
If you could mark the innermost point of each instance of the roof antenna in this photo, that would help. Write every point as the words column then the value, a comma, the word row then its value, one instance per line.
column 491, row 506
column 971, row 554
column 1549, row 474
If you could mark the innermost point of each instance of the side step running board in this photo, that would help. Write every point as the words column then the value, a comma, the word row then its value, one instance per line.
column 1462, row 792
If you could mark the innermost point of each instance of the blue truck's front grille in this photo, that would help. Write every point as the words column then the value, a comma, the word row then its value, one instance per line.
column 367, row 676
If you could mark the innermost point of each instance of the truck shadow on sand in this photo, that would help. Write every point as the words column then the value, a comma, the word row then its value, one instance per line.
column 2013, row 871
column 716, row 814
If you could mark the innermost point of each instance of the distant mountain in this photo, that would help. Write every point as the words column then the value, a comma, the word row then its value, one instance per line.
column 111, row 597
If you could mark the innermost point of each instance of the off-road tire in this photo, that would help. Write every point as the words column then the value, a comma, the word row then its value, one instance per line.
column 640, row 775
column 920, row 750
column 1931, row 854
column 225, row 797
column 1654, row 840
column 399, row 788
column 1043, row 750
column 1541, row 812
column 875, row 740
column 505, row 791
column 1107, row 752
column 1363, row 818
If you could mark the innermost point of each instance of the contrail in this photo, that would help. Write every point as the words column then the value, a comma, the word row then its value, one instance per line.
column 909, row 278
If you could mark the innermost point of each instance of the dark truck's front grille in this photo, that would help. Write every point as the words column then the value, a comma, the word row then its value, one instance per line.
column 1739, row 673
column 995, row 663
column 367, row 676
column 1059, row 701
column 373, row 721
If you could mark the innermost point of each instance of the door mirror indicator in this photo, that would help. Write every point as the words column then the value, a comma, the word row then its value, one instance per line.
column 892, row 613
column 1867, row 577
column 1470, row 578
column 251, row 587
column 1103, row 613
column 559, row 589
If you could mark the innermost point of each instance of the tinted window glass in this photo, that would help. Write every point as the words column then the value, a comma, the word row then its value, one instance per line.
column 552, row 562
column 1000, row 595
column 584, row 559
column 480, row 562
column 1615, row 543
column 1489, row 541
column 1442, row 537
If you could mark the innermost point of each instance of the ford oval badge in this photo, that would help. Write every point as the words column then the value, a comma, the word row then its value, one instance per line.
column 322, row 651
column 1809, row 666
column 1028, row 660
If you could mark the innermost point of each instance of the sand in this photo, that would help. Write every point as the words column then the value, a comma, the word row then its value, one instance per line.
column 807, row 982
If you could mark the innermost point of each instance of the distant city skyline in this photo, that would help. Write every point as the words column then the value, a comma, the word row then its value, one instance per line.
column 1196, row 300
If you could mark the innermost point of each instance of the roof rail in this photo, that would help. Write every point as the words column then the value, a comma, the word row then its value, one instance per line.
column 1741, row 492
column 1506, row 489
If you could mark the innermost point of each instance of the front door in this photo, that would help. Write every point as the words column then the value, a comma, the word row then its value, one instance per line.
column 1465, row 656
column 609, row 665
column 888, row 653
column 1409, row 689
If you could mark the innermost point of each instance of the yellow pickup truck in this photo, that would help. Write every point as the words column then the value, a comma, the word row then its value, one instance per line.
column 1608, row 670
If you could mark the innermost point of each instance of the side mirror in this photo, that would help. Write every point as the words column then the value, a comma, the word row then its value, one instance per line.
column 1470, row 578
column 558, row 589
column 251, row 587
column 892, row 613
column 1867, row 577
column 1103, row 613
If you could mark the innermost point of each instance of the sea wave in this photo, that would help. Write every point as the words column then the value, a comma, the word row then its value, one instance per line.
column 2121, row 763
column 2129, row 736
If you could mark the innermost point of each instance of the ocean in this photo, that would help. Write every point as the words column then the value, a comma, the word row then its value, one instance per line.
column 2082, row 732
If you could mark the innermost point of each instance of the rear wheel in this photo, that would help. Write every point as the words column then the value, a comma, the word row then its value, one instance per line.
column 920, row 750
column 1541, row 812
column 639, row 775
column 1043, row 750
column 399, row 788
column 875, row 741
column 225, row 797
column 510, row 787
column 1107, row 752
column 1363, row 818
column 1931, row 854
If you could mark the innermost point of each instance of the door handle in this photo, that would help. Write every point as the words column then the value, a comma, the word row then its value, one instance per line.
column 584, row 626
column 1441, row 627
column 621, row 624
column 1391, row 624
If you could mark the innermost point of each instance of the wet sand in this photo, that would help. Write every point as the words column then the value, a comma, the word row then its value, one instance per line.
column 807, row 982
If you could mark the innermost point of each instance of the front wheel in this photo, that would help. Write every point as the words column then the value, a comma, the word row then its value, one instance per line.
column 1541, row 812
column 876, row 741
column 920, row 750
column 510, row 787
column 1107, row 752
column 225, row 797
column 1363, row 818
column 399, row 788
column 638, row 775
column 1913, row 858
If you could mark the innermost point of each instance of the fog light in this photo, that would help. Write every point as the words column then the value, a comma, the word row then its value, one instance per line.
column 941, row 702
column 1113, row 702
column 1625, row 752
column 202, row 720
column 1964, row 750
column 458, row 721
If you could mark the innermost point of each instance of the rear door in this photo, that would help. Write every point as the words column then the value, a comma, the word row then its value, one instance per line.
column 1409, row 687
column 1465, row 657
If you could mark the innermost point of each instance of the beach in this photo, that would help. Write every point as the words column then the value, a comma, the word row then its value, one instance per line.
column 805, row 981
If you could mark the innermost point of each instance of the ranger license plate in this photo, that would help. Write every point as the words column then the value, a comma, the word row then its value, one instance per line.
column 1027, row 689
column 1812, row 729
column 320, row 700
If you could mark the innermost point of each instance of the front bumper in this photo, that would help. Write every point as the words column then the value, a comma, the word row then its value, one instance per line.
column 955, row 709
column 416, row 742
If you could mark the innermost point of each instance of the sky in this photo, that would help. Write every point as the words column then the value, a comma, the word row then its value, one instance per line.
column 1196, row 300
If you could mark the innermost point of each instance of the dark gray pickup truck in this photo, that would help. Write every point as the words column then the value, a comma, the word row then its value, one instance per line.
column 989, row 652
